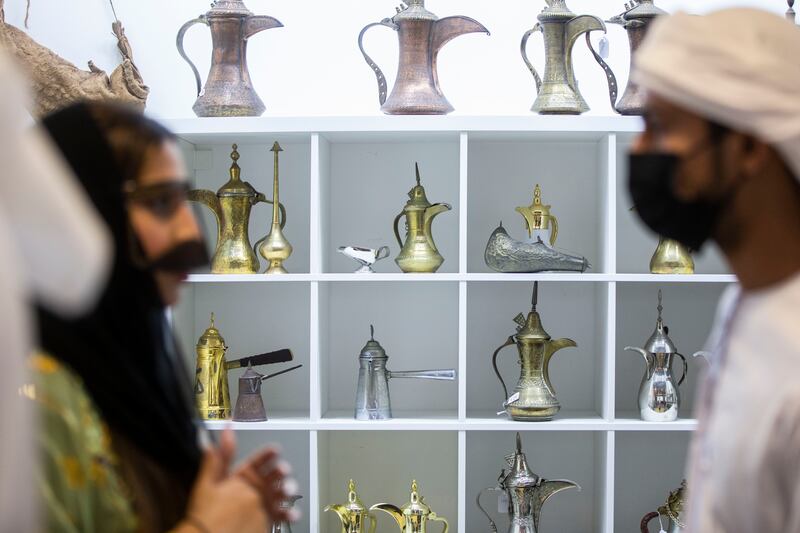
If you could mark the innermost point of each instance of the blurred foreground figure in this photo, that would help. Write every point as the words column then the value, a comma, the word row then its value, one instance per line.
column 719, row 161
column 53, row 248
column 120, row 430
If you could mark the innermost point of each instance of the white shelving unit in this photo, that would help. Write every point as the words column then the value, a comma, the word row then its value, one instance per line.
column 343, row 180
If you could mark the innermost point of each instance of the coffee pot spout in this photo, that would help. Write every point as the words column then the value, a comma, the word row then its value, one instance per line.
column 547, row 489
column 259, row 23
column 448, row 28
column 641, row 352
column 580, row 25
column 392, row 510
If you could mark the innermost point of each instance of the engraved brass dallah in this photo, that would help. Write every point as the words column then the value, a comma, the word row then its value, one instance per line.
column 228, row 91
column 274, row 247
column 671, row 257
column 526, row 493
column 636, row 20
column 231, row 206
column 534, row 396
column 558, row 92
column 353, row 515
column 536, row 253
column 421, row 34
column 211, row 393
column 413, row 517
column 419, row 252
column 672, row 511
column 790, row 13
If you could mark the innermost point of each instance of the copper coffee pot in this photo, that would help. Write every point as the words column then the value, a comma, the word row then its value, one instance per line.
column 228, row 91
column 422, row 34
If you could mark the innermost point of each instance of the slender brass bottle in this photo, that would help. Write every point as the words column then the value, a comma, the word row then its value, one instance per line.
column 275, row 248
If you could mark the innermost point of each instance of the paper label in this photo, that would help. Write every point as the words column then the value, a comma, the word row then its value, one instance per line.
column 604, row 48
column 502, row 503
column 514, row 397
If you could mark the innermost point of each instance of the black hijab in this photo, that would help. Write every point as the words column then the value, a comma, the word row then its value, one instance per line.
column 124, row 350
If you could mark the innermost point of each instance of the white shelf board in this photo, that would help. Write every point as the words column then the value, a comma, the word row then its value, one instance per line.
column 453, row 277
column 630, row 421
column 563, row 421
column 391, row 128
column 278, row 421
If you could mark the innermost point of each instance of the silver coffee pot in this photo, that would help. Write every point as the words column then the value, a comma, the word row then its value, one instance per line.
column 372, row 391
column 526, row 493
column 285, row 527
column 557, row 92
column 659, row 397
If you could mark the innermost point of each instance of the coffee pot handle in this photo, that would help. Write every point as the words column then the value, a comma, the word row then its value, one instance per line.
column 685, row 368
column 508, row 342
column 613, row 87
column 433, row 517
column 382, row 87
column 523, row 47
column 396, row 232
column 179, row 43
column 646, row 521
column 383, row 253
column 492, row 525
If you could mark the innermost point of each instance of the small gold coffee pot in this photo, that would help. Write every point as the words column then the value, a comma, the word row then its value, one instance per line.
column 412, row 517
column 671, row 257
column 231, row 206
column 353, row 515
column 538, row 218
column 534, row 397
column 274, row 247
column 211, row 394
column 419, row 253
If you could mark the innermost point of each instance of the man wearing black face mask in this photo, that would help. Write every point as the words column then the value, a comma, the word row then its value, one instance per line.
column 720, row 160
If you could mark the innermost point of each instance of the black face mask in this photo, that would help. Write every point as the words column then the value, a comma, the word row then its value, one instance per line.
column 650, row 183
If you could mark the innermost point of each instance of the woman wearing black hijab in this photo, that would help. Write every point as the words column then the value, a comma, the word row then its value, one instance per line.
column 126, row 357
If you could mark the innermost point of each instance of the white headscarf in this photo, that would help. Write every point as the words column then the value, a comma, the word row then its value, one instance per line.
column 738, row 67
column 54, row 248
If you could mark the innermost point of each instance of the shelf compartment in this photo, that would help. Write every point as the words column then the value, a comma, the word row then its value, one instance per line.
column 383, row 464
column 649, row 466
column 572, row 310
column 688, row 312
column 553, row 455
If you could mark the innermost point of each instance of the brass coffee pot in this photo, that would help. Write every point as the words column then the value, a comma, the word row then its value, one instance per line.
column 211, row 394
column 559, row 93
column 526, row 493
column 274, row 247
column 422, row 34
column 413, row 517
column 636, row 20
column 228, row 91
column 249, row 404
column 534, row 397
column 419, row 253
column 353, row 514
column 672, row 510
column 671, row 257
column 536, row 253
column 231, row 206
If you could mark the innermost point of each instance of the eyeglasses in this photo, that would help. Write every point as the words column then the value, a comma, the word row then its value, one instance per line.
column 161, row 199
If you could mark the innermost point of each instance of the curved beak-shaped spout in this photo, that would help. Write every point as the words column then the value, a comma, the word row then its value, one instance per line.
column 639, row 351
column 705, row 354
column 210, row 200
column 545, row 491
column 393, row 510
column 258, row 23
column 580, row 25
column 448, row 28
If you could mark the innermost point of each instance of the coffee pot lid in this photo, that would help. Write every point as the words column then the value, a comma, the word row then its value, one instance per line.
column 416, row 504
column 413, row 10
column 531, row 327
column 211, row 337
column 373, row 349
column 520, row 475
column 642, row 9
column 556, row 10
column 537, row 215
column 354, row 503
column 659, row 341
column 235, row 186
column 228, row 8
column 250, row 381
column 675, row 505
column 417, row 199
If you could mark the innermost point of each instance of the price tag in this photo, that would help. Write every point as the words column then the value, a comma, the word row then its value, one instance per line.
column 604, row 47
column 502, row 502
column 514, row 397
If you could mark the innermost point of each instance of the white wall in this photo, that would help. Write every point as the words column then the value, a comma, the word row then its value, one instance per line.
column 312, row 66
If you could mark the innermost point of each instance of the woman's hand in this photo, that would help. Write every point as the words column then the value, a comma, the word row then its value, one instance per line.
column 223, row 503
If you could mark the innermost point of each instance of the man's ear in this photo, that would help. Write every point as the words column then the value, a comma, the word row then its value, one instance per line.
column 756, row 155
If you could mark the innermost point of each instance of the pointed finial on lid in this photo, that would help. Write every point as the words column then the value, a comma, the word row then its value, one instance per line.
column 501, row 223
column 212, row 319
column 534, row 297
column 537, row 195
column 414, row 486
column 371, row 332
column 235, row 153
column 276, row 147
column 416, row 166
column 519, row 443
column 660, row 307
